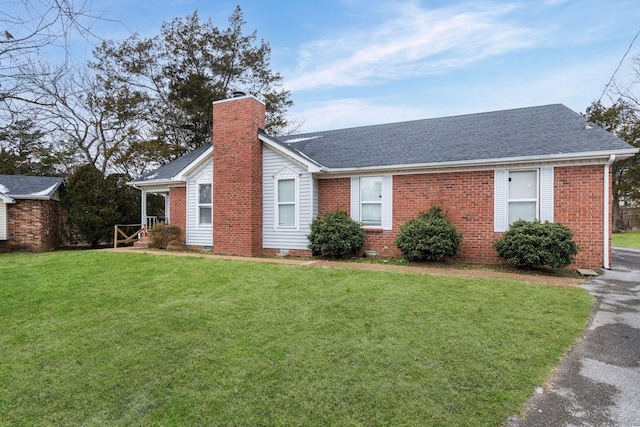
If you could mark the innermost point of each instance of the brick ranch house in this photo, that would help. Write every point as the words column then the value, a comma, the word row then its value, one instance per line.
column 31, row 216
column 252, row 194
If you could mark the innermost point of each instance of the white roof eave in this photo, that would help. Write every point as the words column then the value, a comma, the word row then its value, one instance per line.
column 603, row 155
column 6, row 199
column 182, row 175
column 311, row 165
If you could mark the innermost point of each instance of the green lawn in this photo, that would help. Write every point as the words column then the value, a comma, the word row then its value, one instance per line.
column 628, row 239
column 120, row 339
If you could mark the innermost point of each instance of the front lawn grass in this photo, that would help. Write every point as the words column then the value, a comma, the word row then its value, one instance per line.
column 628, row 239
column 99, row 338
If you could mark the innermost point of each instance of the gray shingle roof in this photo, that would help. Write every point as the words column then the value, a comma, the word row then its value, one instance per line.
column 29, row 187
column 535, row 131
column 525, row 132
column 170, row 170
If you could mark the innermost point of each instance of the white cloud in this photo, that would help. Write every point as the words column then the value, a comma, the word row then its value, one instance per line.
column 349, row 112
column 413, row 42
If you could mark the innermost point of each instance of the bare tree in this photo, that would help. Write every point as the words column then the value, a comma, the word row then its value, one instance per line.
column 31, row 31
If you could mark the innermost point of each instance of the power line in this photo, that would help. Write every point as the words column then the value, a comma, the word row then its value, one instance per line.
column 619, row 65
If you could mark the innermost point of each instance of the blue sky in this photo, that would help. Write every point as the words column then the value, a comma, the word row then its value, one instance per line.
column 353, row 62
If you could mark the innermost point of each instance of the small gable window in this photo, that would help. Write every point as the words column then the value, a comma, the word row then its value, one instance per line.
column 204, row 205
column 286, row 198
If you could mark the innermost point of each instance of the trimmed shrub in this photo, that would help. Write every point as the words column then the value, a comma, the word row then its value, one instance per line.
column 162, row 235
column 535, row 244
column 429, row 236
column 335, row 235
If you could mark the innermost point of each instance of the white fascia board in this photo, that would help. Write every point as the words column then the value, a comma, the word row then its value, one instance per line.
column 603, row 155
column 181, row 176
column 311, row 165
column 6, row 199
column 157, row 183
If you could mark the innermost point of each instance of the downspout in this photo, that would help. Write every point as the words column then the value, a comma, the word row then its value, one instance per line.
column 607, row 218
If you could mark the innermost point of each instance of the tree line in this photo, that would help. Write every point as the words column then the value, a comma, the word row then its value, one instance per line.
column 142, row 102
column 137, row 104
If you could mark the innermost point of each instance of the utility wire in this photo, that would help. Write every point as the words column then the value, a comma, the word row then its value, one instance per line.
column 619, row 65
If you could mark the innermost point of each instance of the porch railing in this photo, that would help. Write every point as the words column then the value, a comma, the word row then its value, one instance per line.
column 122, row 236
column 153, row 220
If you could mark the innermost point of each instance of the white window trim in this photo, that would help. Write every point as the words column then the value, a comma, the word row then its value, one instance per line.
column 386, row 203
column 544, row 201
column 199, row 205
column 286, row 173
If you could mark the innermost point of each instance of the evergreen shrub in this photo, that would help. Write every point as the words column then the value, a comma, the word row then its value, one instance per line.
column 535, row 244
column 335, row 235
column 429, row 236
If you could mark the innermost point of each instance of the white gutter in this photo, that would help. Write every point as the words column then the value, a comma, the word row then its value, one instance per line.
column 607, row 218
column 593, row 155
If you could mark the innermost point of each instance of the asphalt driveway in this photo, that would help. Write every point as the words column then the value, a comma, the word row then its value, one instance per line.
column 598, row 382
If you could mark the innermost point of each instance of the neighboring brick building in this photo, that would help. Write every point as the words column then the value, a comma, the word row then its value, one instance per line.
column 31, row 217
column 253, row 194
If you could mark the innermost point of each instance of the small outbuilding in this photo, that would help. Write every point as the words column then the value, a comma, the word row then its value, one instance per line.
column 31, row 215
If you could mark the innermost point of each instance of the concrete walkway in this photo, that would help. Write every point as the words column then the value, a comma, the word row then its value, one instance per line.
column 598, row 382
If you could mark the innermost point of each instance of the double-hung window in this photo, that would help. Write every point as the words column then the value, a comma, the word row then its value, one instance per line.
column 286, row 202
column 286, row 188
column 522, row 194
column 204, row 205
column 371, row 201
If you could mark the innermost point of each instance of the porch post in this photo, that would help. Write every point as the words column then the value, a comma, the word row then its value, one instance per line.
column 143, row 208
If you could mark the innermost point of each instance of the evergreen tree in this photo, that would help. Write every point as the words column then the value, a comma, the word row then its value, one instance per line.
column 623, row 120
column 92, row 211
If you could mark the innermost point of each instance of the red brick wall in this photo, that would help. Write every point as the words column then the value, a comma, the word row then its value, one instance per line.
column 237, row 176
column 579, row 204
column 468, row 198
column 33, row 225
column 178, row 208
column 334, row 194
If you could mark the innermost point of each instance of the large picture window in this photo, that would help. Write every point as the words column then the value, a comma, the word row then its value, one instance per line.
column 204, row 205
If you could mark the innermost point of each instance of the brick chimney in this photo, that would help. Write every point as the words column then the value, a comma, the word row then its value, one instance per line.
column 237, row 176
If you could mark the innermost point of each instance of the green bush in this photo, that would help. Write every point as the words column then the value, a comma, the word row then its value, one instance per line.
column 162, row 235
column 429, row 236
column 335, row 235
column 536, row 244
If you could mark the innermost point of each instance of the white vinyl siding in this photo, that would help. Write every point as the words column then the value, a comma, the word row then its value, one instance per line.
column 3, row 220
column 372, row 201
column 276, row 168
column 198, row 233
column 522, row 194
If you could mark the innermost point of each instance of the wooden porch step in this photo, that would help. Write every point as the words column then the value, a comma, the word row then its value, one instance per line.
column 142, row 243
